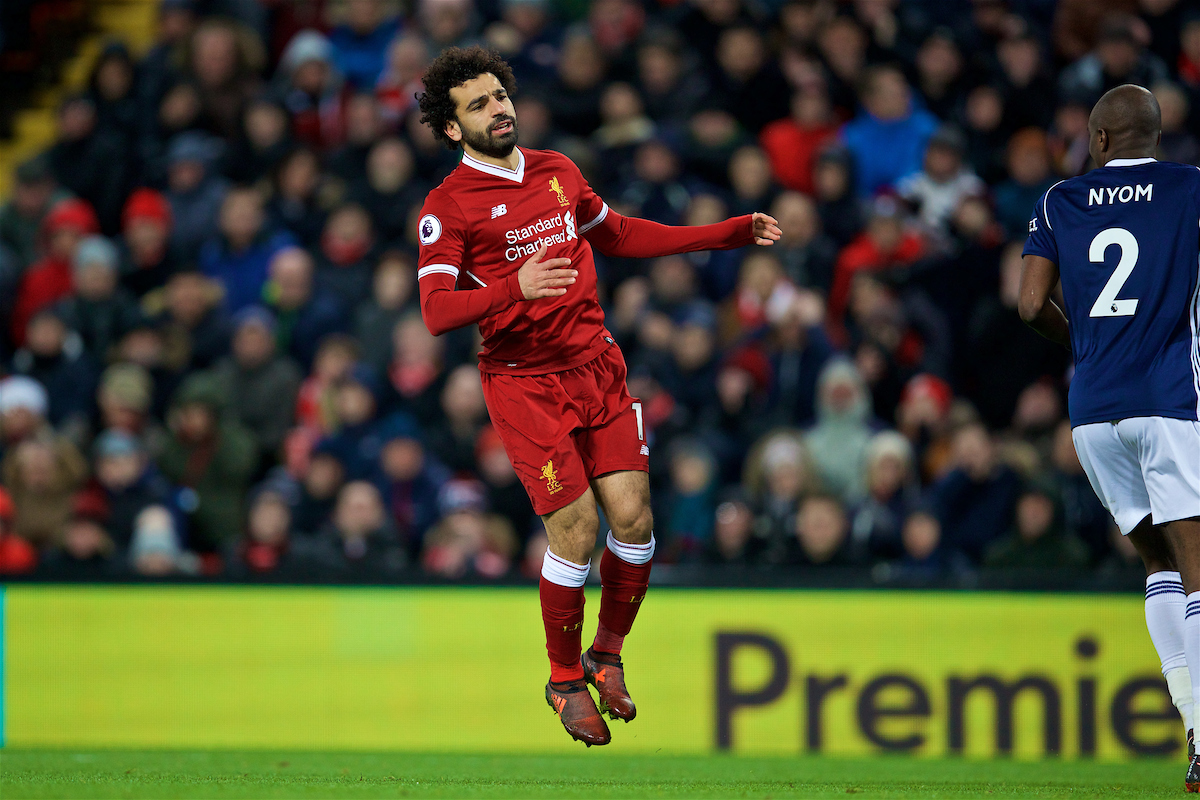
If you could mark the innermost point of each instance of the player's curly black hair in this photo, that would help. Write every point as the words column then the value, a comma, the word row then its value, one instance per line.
column 454, row 67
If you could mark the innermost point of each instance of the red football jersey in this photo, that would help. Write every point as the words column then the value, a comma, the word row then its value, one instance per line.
column 484, row 222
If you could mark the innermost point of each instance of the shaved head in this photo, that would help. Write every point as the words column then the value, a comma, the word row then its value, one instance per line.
column 1125, row 123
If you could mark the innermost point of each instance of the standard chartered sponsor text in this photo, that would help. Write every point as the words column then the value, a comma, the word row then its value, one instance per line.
column 546, row 232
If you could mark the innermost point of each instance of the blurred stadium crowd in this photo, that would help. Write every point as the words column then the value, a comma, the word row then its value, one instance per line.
column 215, row 356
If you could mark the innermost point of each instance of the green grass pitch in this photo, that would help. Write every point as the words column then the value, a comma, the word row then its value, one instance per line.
column 255, row 774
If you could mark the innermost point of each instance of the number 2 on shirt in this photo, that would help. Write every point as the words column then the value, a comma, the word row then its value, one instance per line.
column 1107, row 304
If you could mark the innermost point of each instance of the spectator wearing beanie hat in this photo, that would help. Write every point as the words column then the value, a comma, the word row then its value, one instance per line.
column 155, row 551
column 129, row 482
column 410, row 478
column 100, row 310
column 23, row 407
column 194, row 191
column 125, row 398
column 146, row 262
column 85, row 550
column 211, row 456
column 54, row 356
column 34, row 193
column 313, row 90
column 923, row 416
column 266, row 546
column 260, row 383
column 49, row 279
column 469, row 540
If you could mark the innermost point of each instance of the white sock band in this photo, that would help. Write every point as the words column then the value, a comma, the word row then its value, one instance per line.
column 1191, row 645
column 1164, row 618
column 631, row 553
column 564, row 573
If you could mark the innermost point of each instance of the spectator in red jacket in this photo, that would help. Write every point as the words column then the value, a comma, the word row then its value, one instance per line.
column 17, row 556
column 792, row 144
column 884, row 244
column 49, row 279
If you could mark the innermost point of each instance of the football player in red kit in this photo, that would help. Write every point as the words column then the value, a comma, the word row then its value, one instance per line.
column 506, row 242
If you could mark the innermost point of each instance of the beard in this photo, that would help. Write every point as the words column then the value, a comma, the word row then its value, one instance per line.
column 488, row 144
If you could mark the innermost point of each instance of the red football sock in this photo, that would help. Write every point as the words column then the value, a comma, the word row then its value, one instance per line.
column 562, row 613
column 623, row 588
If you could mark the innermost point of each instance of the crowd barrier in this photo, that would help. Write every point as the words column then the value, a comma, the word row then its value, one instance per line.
column 462, row 669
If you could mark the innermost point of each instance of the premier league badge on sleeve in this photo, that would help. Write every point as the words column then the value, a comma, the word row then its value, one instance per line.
column 430, row 229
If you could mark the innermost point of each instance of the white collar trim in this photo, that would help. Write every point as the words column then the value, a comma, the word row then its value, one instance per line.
column 516, row 175
column 1130, row 162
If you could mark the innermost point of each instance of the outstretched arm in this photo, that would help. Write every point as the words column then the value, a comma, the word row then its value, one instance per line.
column 630, row 237
column 444, row 309
column 1038, row 279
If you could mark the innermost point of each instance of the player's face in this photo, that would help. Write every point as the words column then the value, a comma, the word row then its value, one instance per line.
column 485, row 119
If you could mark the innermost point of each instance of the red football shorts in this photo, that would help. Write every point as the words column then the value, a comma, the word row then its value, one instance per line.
column 562, row 429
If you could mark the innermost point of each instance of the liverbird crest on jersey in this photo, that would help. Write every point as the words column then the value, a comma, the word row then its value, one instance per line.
column 557, row 188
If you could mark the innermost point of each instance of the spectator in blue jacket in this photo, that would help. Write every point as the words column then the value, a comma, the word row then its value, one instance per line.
column 194, row 191
column 131, row 483
column 887, row 140
column 410, row 478
column 360, row 44
column 238, row 255
column 305, row 316
column 977, row 499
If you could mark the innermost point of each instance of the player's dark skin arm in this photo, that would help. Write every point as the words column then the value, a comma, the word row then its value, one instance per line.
column 1036, row 306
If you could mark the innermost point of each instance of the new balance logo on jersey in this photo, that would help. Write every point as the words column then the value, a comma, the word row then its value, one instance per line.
column 499, row 211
